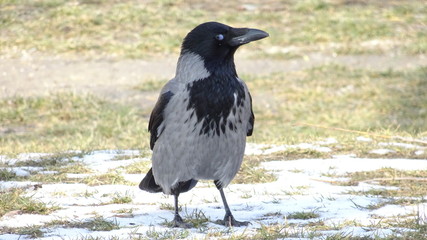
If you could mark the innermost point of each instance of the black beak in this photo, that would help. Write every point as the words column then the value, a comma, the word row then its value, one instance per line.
column 240, row 36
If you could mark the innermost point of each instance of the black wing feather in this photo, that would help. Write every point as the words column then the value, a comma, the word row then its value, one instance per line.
column 157, row 117
column 251, row 120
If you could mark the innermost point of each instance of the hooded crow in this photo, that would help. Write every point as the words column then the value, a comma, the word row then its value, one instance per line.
column 200, row 122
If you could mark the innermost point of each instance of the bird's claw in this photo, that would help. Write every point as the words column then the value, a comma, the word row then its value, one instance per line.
column 177, row 222
column 229, row 221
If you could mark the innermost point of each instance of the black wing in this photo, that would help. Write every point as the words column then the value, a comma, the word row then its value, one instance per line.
column 251, row 120
column 157, row 117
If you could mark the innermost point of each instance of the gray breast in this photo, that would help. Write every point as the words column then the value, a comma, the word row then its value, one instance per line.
column 191, row 147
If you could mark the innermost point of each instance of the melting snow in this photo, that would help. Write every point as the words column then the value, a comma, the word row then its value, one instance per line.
column 22, row 157
column 403, row 145
column 327, row 141
column 264, row 149
column 302, row 185
column 419, row 152
column 364, row 139
column 382, row 151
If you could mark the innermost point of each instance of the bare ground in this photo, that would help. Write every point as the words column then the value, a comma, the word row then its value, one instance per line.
column 116, row 79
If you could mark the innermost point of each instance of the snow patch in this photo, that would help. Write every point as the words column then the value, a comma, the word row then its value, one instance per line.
column 265, row 149
column 302, row 185
column 403, row 145
column 419, row 152
column 327, row 141
column 363, row 139
column 382, row 151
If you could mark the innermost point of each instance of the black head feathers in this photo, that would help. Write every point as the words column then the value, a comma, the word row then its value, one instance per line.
column 217, row 42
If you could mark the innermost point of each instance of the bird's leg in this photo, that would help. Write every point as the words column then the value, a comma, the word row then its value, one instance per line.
column 228, row 218
column 177, row 220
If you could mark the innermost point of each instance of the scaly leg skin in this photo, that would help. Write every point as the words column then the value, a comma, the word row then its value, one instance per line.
column 228, row 218
column 177, row 220
column 229, row 221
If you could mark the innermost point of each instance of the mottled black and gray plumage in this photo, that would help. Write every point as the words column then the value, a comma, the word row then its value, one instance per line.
column 201, row 120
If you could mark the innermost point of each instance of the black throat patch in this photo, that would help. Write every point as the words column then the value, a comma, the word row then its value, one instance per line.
column 213, row 99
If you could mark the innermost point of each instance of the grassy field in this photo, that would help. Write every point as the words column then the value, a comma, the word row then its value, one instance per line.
column 390, row 103
column 302, row 106
column 135, row 29
column 65, row 121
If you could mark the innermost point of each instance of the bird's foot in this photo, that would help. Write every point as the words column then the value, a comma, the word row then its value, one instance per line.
column 178, row 222
column 229, row 221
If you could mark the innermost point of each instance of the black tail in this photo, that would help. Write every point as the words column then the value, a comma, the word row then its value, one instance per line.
column 183, row 187
column 149, row 184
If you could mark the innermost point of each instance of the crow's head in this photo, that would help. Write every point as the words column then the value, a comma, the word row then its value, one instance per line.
column 216, row 43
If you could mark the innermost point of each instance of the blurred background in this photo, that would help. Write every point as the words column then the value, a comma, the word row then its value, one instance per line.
column 84, row 75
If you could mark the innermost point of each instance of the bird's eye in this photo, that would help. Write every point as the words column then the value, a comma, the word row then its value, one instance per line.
column 219, row 37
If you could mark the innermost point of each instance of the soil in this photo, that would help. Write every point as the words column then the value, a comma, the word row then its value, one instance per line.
column 116, row 79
